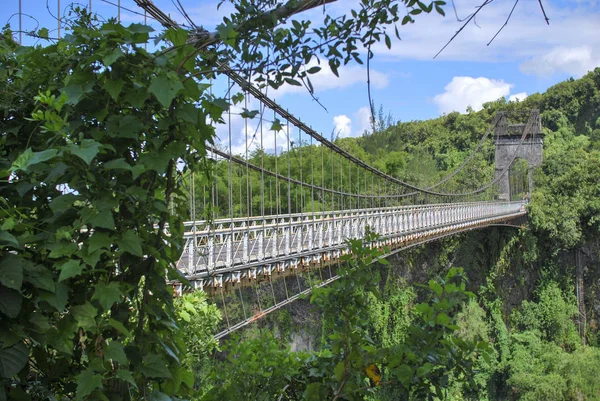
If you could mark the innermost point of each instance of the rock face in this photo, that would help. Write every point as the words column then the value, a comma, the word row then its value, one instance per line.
column 302, row 340
column 509, row 148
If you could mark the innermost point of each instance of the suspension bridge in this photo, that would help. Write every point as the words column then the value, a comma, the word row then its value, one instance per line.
column 281, row 207
column 285, row 213
column 271, row 220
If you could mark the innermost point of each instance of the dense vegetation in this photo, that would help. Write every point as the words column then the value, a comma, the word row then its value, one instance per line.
column 93, row 127
column 543, row 343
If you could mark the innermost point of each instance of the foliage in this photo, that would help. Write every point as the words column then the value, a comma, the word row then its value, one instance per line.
column 198, row 320
column 417, row 365
column 552, row 316
column 93, row 127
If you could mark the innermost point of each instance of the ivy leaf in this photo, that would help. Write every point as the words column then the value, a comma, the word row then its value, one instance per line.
column 126, row 376
column 131, row 243
column 107, row 295
column 177, row 36
column 112, row 56
column 11, row 272
column 70, row 269
column 165, row 88
column 86, row 151
column 10, row 302
column 114, row 351
column 29, row 158
column 73, row 93
column 87, row 382
column 85, row 315
column 114, row 87
column 13, row 359
column 98, row 241
column 104, row 219
column 155, row 366
column 43, row 33
column 227, row 33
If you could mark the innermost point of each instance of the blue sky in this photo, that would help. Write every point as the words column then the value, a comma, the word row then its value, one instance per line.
column 527, row 57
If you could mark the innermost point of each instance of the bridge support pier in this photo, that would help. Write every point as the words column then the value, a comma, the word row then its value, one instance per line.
column 509, row 148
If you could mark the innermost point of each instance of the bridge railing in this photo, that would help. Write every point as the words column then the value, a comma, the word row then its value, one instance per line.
column 231, row 244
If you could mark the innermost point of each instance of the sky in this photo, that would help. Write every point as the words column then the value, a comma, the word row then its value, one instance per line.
column 528, row 56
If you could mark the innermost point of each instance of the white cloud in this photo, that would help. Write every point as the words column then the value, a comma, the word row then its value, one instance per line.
column 526, row 35
column 517, row 97
column 462, row 92
column 343, row 126
column 363, row 115
column 571, row 60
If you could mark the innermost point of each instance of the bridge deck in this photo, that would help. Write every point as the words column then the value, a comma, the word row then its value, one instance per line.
column 240, row 250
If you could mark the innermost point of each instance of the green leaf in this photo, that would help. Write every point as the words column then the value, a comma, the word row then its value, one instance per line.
column 338, row 371
column 11, row 272
column 87, row 382
column 404, row 373
column 107, row 295
column 85, row 315
column 131, row 243
column 227, row 33
column 10, row 302
column 443, row 319
column 70, row 269
column 103, row 219
column 140, row 28
column 99, row 241
column 43, row 33
column 13, row 359
column 155, row 366
column 126, row 376
column 436, row 287
column 314, row 70
column 120, row 327
column 8, row 238
column 73, row 93
column 112, row 56
column 292, row 82
column 86, row 151
column 117, row 164
column 177, row 36
column 114, row 87
column 165, row 88
column 158, row 396
column 114, row 351
column 39, row 276
column 29, row 158
column 62, row 203
column 424, row 370
column 58, row 299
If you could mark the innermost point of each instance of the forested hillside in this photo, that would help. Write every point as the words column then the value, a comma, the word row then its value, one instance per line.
column 535, row 289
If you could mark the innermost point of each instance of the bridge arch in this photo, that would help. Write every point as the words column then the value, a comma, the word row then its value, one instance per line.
column 510, row 149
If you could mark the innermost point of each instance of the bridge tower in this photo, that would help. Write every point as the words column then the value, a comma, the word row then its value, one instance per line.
column 508, row 138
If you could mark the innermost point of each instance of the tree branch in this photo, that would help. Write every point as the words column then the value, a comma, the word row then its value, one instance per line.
column 204, row 38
